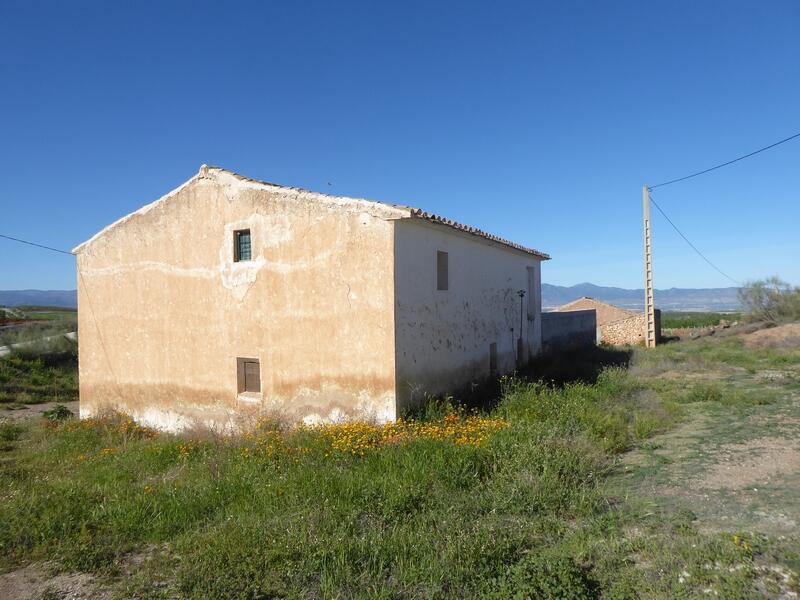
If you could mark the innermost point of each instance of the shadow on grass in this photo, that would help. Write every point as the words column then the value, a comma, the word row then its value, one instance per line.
column 582, row 364
column 61, row 359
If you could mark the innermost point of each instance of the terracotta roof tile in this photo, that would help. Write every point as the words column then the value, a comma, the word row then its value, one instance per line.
column 418, row 213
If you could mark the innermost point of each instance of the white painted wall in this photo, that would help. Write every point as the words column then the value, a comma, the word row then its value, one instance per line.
column 568, row 329
column 442, row 338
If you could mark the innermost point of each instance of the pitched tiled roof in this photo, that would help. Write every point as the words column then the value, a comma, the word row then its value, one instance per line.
column 418, row 213
column 384, row 208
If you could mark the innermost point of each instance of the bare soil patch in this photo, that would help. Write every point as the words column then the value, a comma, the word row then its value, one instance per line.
column 32, row 411
column 783, row 336
column 754, row 463
column 34, row 583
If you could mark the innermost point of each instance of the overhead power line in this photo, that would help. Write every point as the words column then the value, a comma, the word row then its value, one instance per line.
column 8, row 237
column 680, row 233
column 725, row 164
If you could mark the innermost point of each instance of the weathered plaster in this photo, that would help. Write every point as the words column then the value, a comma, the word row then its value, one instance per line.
column 443, row 337
column 165, row 311
column 239, row 276
column 338, row 304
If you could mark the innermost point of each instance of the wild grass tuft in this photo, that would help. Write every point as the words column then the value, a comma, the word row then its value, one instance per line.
column 730, row 396
column 9, row 431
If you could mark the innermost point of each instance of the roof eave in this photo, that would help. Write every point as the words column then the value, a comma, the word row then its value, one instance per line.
column 385, row 210
column 418, row 213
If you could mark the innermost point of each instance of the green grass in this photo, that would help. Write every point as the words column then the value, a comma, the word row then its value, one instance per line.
column 31, row 308
column 422, row 518
column 529, row 513
column 714, row 352
column 52, row 315
column 31, row 377
column 678, row 320
column 31, row 331
column 39, row 322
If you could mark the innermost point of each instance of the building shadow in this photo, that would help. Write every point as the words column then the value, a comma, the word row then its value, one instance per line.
column 581, row 364
column 559, row 368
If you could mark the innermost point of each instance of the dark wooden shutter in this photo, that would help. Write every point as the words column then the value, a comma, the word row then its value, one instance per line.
column 248, row 375
column 441, row 270
column 252, row 376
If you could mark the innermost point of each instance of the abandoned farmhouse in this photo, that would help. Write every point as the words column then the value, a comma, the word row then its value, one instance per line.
column 230, row 296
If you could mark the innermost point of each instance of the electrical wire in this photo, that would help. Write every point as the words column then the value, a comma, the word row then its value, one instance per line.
column 680, row 233
column 725, row 164
column 8, row 237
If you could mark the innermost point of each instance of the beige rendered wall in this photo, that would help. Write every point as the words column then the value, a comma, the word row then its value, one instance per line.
column 443, row 337
column 164, row 311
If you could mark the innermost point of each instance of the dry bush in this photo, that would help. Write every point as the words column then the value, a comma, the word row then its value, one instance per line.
column 770, row 300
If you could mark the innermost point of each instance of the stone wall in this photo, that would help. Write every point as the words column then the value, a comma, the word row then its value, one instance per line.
column 628, row 331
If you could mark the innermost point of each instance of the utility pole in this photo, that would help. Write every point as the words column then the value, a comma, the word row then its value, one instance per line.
column 649, row 309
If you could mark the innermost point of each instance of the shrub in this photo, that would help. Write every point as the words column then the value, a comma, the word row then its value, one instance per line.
column 770, row 300
column 58, row 413
column 543, row 578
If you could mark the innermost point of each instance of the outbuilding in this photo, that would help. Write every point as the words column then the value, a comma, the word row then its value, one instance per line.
column 616, row 326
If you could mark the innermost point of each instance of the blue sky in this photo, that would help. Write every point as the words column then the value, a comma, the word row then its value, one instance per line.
column 536, row 121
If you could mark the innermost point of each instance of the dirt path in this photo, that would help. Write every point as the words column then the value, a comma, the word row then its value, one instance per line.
column 30, row 411
column 35, row 583
column 736, row 469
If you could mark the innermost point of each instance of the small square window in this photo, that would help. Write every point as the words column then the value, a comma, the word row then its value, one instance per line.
column 242, row 249
column 441, row 271
column 248, row 375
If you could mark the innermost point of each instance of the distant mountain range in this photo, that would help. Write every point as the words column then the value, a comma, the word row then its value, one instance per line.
column 63, row 298
column 708, row 299
column 674, row 299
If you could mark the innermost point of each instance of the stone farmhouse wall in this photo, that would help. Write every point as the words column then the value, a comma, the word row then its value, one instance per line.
column 615, row 326
column 627, row 331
